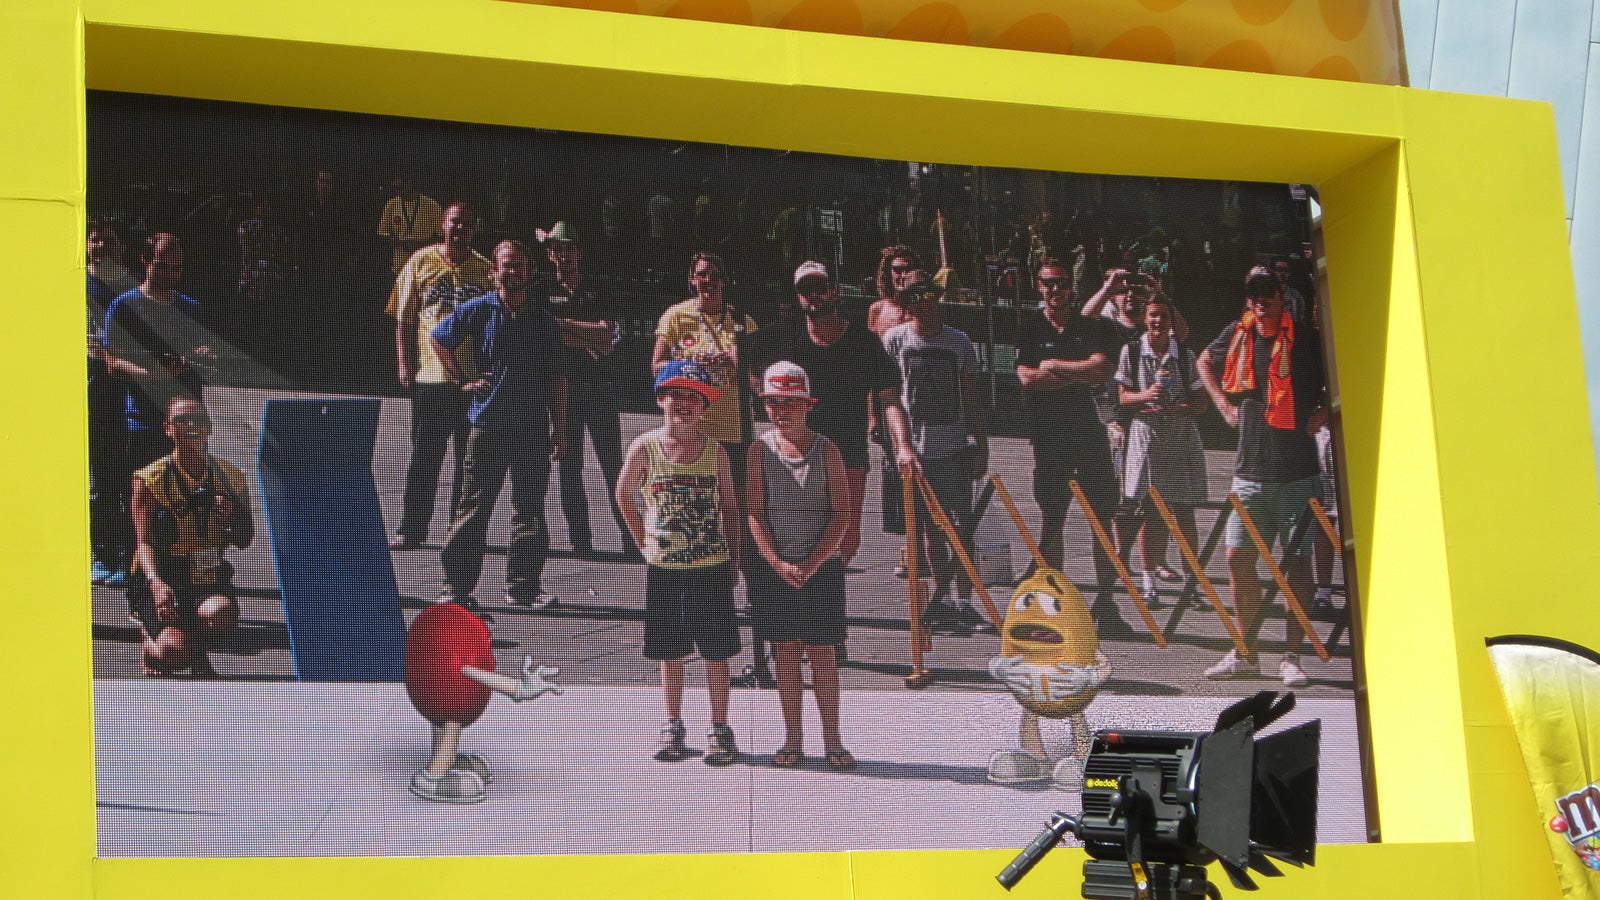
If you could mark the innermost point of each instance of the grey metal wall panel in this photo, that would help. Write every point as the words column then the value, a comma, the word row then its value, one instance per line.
column 1549, row 58
column 1418, row 19
column 1585, row 236
column 1472, row 46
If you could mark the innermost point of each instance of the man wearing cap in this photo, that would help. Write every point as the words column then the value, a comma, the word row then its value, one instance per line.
column 517, row 410
column 1063, row 358
column 1265, row 374
column 939, row 377
column 848, row 366
column 589, row 332
column 431, row 284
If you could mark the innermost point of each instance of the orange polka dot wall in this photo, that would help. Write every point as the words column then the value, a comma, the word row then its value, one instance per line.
column 1346, row 40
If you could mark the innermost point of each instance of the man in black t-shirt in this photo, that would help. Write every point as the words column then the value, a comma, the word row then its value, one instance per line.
column 847, row 364
column 1265, row 375
column 1063, row 358
column 589, row 334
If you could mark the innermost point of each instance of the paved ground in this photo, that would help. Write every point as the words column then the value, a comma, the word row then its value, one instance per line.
column 223, row 769
column 318, row 758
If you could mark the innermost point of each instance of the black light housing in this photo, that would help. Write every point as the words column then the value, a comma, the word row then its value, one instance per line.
column 1159, row 806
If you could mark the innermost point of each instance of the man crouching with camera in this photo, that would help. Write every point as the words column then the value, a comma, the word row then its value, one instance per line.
column 188, row 507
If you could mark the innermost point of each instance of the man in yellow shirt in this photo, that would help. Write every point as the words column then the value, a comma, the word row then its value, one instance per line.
column 432, row 283
column 409, row 222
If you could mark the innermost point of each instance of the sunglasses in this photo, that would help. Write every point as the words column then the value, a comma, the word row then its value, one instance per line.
column 191, row 419
column 1054, row 282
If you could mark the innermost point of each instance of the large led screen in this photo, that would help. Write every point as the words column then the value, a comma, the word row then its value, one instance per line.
column 472, row 490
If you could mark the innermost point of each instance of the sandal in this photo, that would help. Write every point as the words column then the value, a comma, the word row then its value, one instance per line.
column 840, row 760
column 788, row 757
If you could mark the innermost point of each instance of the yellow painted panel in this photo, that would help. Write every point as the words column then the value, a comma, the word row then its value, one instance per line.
column 1408, row 645
column 43, row 98
column 47, row 834
column 1516, row 472
column 1459, row 196
column 781, row 876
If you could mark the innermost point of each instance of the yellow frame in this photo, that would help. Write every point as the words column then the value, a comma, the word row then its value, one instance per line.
column 1444, row 233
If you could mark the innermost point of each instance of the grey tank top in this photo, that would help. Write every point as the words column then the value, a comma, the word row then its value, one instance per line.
column 798, row 504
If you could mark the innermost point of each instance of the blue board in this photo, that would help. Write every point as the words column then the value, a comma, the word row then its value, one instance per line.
column 340, row 600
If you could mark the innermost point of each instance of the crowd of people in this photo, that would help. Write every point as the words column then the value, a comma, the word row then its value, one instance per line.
column 507, row 370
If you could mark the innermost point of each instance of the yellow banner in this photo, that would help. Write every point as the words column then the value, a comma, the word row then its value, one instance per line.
column 1552, row 689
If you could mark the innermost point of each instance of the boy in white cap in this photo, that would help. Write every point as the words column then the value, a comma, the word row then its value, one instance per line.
column 799, row 511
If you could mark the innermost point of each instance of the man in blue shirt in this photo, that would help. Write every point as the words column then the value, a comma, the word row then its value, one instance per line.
column 154, row 339
column 517, row 413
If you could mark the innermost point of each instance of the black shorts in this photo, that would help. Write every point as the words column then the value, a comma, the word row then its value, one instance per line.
column 142, row 603
column 690, row 609
column 811, row 614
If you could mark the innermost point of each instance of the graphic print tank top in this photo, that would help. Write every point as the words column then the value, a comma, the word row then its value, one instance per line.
column 682, row 510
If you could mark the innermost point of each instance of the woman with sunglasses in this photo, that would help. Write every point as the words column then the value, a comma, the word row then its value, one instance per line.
column 707, row 330
column 188, row 507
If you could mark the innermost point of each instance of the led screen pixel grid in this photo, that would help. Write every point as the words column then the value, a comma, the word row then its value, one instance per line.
column 584, row 757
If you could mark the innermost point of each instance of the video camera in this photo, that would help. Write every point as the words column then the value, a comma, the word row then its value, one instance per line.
column 1158, row 807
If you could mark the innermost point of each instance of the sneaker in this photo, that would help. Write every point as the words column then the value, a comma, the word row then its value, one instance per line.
column 455, row 786
column 1017, row 767
column 970, row 617
column 673, row 748
column 99, row 573
column 404, row 542
column 1067, row 775
column 117, row 579
column 1289, row 670
column 1152, row 600
column 720, row 747
column 1108, row 620
column 900, row 570
column 1233, row 666
column 477, row 765
column 945, row 618
column 465, row 601
column 537, row 602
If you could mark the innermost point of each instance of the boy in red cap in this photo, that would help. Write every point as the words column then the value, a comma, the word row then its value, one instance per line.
column 688, row 532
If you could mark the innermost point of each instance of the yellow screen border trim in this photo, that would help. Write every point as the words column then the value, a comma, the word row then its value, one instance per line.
column 1469, row 462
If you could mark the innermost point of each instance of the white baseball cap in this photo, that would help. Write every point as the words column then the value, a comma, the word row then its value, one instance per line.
column 811, row 269
column 786, row 381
